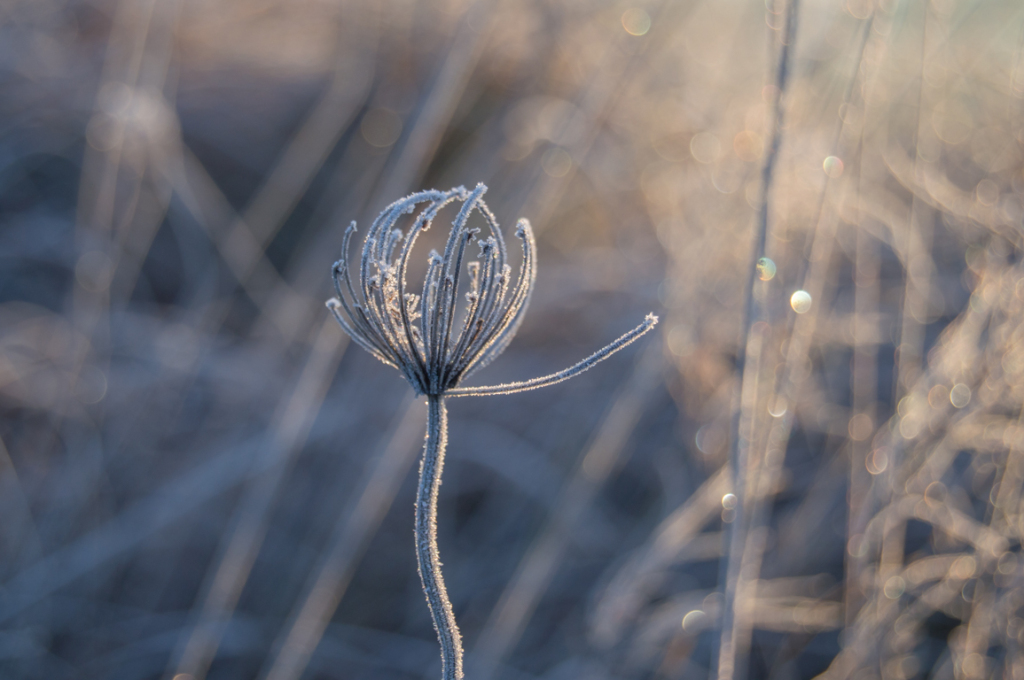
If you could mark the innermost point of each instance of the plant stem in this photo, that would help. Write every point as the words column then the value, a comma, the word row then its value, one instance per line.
column 427, row 557
column 731, row 659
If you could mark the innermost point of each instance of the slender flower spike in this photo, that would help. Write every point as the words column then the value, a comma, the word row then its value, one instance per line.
column 418, row 334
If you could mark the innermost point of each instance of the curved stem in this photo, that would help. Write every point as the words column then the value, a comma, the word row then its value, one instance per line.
column 427, row 557
column 574, row 370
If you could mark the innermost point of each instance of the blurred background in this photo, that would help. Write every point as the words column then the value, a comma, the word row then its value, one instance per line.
column 200, row 477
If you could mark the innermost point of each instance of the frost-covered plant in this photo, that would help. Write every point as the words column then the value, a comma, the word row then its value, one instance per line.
column 418, row 335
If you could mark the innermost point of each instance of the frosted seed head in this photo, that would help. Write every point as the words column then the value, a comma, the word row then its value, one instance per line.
column 417, row 333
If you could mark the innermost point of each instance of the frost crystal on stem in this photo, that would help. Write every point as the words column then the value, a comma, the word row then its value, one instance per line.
column 417, row 334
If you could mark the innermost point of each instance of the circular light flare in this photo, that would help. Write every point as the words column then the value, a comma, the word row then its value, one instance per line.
column 833, row 167
column 800, row 301
column 694, row 620
column 381, row 127
column 895, row 587
column 705, row 147
column 636, row 21
column 960, row 395
column 860, row 427
column 877, row 461
column 557, row 162
column 766, row 269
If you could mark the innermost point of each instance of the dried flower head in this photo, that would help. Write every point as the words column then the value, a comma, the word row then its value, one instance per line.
column 416, row 333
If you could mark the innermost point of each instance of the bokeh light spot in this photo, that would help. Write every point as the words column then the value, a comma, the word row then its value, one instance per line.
column 833, row 167
column 557, row 162
column 937, row 396
column 860, row 427
column 705, row 147
column 935, row 493
column 636, row 21
column 860, row 9
column 678, row 340
column 693, row 620
column 709, row 440
column 877, row 461
column 987, row 192
column 91, row 386
column 895, row 587
column 800, row 301
column 766, row 269
column 381, row 127
column 960, row 395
